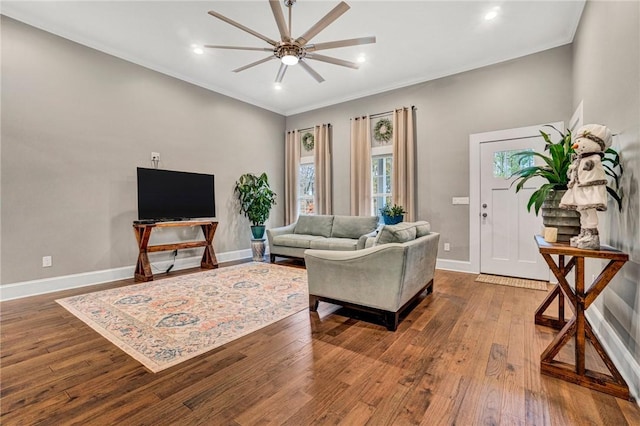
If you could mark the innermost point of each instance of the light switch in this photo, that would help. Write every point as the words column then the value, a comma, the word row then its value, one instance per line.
column 460, row 200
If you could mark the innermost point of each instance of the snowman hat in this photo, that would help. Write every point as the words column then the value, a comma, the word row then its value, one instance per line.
column 596, row 132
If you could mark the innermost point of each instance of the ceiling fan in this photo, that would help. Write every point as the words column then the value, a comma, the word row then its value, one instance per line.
column 292, row 51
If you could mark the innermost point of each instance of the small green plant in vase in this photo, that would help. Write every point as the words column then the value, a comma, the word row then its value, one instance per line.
column 392, row 215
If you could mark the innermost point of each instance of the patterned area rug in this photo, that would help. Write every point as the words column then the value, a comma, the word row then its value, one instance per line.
column 513, row 282
column 163, row 323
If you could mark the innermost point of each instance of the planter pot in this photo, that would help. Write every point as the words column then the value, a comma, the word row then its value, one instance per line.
column 257, row 232
column 392, row 220
column 567, row 221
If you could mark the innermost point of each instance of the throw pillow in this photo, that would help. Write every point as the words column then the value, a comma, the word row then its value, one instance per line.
column 353, row 226
column 314, row 225
column 400, row 233
column 422, row 228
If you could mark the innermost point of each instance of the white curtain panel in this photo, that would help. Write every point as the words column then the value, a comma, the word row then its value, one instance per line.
column 291, row 170
column 404, row 168
column 322, row 160
column 361, row 166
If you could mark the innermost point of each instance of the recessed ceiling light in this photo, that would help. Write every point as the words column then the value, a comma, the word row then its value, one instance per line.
column 492, row 14
column 362, row 58
column 197, row 49
column 277, row 86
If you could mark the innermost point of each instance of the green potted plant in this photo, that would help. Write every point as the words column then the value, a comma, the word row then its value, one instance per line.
column 556, row 161
column 256, row 199
column 554, row 169
column 392, row 215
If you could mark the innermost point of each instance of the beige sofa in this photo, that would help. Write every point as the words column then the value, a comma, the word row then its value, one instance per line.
column 323, row 232
column 384, row 279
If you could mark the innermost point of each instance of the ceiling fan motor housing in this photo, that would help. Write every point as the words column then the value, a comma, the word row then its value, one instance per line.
column 289, row 49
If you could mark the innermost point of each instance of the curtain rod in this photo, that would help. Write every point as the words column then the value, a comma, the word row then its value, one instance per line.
column 311, row 128
column 380, row 114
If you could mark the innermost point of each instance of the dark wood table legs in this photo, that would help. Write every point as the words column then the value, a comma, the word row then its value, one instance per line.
column 143, row 233
column 578, row 327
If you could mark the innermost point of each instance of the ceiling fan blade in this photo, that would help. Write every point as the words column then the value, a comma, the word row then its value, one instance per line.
column 311, row 71
column 340, row 43
column 261, row 49
column 281, row 71
column 334, row 14
column 253, row 64
column 242, row 27
column 331, row 60
column 282, row 24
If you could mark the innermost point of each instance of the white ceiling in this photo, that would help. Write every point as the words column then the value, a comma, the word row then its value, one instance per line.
column 416, row 41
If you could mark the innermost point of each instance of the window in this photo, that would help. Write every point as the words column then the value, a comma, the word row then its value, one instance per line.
column 505, row 163
column 381, row 166
column 306, row 186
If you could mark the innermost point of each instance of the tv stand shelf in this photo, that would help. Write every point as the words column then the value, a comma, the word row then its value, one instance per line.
column 143, row 234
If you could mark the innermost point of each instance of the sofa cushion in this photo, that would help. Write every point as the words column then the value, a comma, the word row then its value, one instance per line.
column 353, row 226
column 422, row 228
column 400, row 233
column 295, row 240
column 314, row 225
column 342, row 244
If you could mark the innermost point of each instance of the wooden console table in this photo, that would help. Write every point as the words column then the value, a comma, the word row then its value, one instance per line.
column 143, row 233
column 578, row 326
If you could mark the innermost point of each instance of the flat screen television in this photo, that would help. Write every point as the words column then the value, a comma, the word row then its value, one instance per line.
column 170, row 195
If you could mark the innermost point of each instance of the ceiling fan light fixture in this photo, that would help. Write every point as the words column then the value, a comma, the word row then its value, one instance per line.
column 289, row 59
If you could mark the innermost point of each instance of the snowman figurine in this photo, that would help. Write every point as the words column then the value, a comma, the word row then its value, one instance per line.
column 587, row 191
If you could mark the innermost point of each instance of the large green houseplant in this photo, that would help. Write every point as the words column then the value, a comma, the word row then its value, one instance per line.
column 256, row 199
column 554, row 169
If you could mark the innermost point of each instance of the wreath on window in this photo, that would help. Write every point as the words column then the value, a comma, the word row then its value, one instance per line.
column 307, row 141
column 383, row 130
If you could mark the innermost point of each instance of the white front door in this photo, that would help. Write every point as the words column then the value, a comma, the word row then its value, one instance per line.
column 507, row 246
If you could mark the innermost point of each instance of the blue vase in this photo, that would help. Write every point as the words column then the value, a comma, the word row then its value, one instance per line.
column 392, row 220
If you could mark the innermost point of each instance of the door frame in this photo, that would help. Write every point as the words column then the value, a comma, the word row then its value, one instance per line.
column 474, row 179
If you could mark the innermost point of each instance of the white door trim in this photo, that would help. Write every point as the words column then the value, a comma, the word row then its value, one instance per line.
column 474, row 179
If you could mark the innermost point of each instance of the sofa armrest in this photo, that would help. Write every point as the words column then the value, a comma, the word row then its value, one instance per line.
column 362, row 241
column 273, row 232
column 371, row 277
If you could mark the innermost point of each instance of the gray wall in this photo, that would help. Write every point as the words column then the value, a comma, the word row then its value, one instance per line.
column 530, row 90
column 75, row 125
column 606, row 55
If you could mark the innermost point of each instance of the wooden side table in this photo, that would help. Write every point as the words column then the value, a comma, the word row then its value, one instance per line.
column 578, row 326
column 143, row 233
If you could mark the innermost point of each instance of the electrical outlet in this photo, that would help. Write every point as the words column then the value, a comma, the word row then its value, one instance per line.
column 46, row 261
column 155, row 156
column 447, row 247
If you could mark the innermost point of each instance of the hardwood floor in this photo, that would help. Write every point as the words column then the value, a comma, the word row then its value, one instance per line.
column 468, row 354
